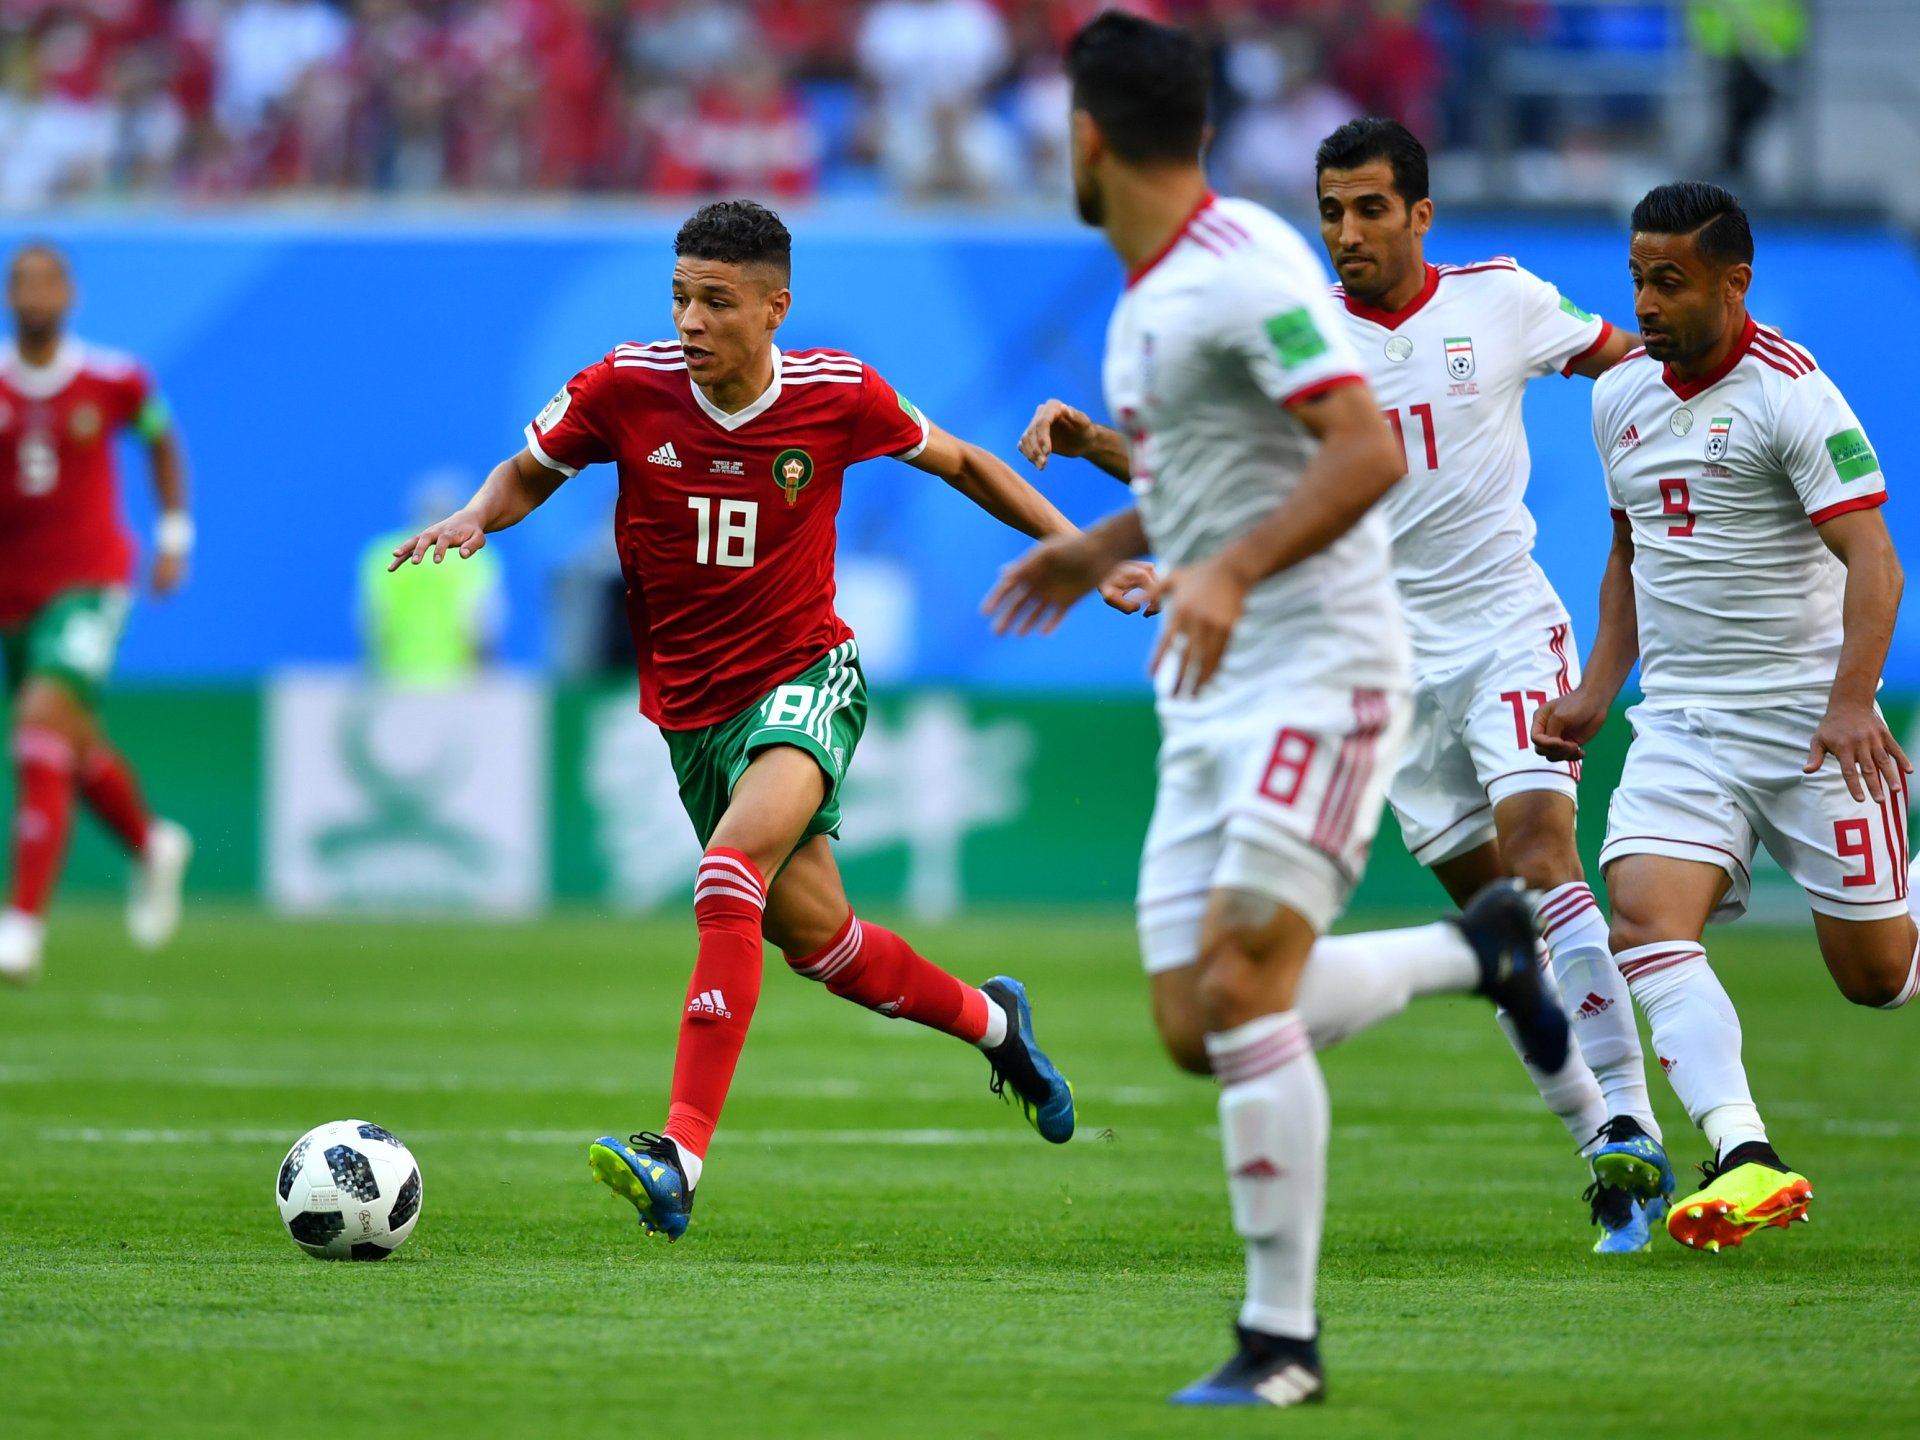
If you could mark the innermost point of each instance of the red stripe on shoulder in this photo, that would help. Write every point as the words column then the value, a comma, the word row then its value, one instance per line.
column 1498, row 262
column 1779, row 350
column 1847, row 507
column 1765, row 332
column 1791, row 371
column 1634, row 354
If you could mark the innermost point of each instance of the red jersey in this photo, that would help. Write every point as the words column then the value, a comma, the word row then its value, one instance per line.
column 60, row 522
column 725, row 523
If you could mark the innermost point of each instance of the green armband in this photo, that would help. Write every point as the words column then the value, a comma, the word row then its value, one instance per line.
column 154, row 420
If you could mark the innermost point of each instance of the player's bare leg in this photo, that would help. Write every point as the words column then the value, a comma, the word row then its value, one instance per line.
column 51, row 728
column 1660, row 910
column 809, row 918
column 1874, row 962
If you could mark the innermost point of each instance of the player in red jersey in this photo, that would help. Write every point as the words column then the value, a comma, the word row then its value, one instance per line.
column 66, row 568
column 730, row 456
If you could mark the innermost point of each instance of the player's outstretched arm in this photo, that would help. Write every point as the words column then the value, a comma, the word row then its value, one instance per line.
column 990, row 483
column 1059, row 429
column 1610, row 353
column 998, row 489
column 1563, row 726
column 1853, row 730
column 514, row 490
column 1037, row 590
column 1356, row 464
column 173, row 536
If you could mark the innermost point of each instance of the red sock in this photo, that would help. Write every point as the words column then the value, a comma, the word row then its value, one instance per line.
column 874, row 967
column 42, row 813
column 729, row 898
column 108, row 785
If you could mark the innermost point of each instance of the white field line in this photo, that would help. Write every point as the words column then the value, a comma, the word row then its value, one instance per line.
column 895, row 1139
column 227, row 1077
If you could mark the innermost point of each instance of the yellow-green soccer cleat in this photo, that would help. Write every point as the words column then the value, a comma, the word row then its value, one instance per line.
column 1748, row 1191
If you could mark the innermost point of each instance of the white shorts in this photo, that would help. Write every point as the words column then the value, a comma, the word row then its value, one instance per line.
column 1708, row 784
column 1280, row 798
column 1472, row 743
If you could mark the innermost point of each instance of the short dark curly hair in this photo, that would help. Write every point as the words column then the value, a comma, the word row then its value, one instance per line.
column 737, row 232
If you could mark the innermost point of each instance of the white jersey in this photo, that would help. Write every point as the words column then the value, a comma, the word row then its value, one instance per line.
column 1450, row 370
column 1739, row 600
column 1212, row 340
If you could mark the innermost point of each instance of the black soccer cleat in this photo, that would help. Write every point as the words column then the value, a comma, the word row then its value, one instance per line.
column 1266, row 1370
column 1498, row 923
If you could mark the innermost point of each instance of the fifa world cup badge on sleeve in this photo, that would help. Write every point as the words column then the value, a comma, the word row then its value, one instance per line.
column 554, row 413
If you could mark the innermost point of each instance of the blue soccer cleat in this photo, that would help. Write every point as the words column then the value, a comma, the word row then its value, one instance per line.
column 1632, row 1187
column 1626, row 1221
column 1045, row 1097
column 1632, row 1160
column 1498, row 923
column 1267, row 1370
column 648, row 1171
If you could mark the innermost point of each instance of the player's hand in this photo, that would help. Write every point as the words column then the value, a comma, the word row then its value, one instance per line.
column 1563, row 726
column 460, row 531
column 1129, row 587
column 169, row 574
column 1056, row 429
column 1871, row 760
column 1036, row 591
column 1206, row 601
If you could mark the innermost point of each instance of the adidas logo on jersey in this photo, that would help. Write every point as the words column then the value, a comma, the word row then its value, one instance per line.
column 1629, row 437
column 664, row 456
column 1666, row 1065
column 709, row 1002
column 1593, row 1005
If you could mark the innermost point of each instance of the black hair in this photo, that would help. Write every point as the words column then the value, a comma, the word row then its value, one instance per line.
column 1145, row 85
column 1710, row 213
column 737, row 232
column 1358, row 141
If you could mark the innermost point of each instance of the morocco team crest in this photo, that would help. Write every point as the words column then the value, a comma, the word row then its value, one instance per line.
column 1460, row 357
column 793, row 472
column 1717, row 431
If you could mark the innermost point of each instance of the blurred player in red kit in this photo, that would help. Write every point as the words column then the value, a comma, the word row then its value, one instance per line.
column 66, row 572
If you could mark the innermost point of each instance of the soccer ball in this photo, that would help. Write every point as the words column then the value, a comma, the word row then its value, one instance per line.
column 349, row 1190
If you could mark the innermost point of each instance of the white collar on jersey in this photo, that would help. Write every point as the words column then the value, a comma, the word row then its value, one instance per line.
column 752, row 412
column 37, row 382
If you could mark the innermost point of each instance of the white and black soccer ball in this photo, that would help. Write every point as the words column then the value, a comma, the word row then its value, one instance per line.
column 349, row 1190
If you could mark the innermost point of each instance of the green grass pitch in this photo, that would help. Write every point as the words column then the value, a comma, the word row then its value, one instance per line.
column 881, row 1248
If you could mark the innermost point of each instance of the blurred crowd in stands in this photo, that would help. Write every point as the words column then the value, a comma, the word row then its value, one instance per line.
column 926, row 99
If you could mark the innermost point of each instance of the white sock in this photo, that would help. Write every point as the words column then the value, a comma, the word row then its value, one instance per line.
column 1912, row 987
column 1596, row 1000
column 1570, row 1092
column 690, row 1164
column 1353, row 981
column 1273, row 1129
column 1696, row 1034
column 996, row 1024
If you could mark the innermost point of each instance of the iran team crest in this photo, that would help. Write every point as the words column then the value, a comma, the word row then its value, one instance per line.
column 1717, row 431
column 1460, row 357
column 793, row 472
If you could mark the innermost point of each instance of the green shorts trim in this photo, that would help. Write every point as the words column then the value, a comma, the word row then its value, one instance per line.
column 74, row 638
column 822, row 710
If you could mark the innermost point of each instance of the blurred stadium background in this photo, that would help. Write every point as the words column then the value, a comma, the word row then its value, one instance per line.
column 360, row 243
